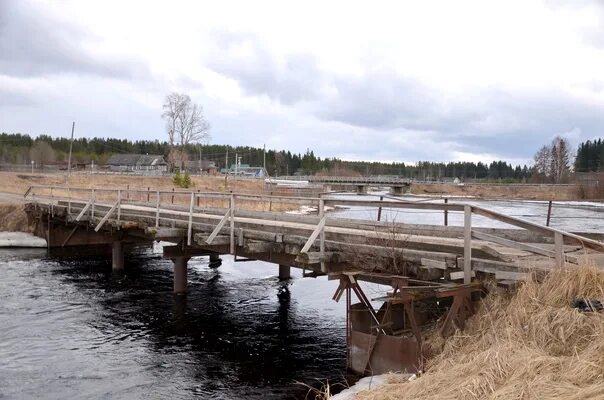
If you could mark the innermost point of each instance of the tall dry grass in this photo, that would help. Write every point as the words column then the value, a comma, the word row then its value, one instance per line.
column 531, row 345
column 13, row 218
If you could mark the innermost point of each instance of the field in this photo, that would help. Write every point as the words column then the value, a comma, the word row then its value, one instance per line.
column 500, row 191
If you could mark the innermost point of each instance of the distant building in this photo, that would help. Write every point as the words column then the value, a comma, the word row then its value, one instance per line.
column 245, row 170
column 138, row 163
column 207, row 167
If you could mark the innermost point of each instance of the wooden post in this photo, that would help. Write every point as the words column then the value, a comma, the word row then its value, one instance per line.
column 148, row 194
column 559, row 249
column 119, row 207
column 198, row 197
column 322, row 235
column 270, row 202
column 68, row 205
column 446, row 213
column 232, row 218
column 92, row 209
column 172, row 195
column 190, row 227
column 379, row 218
column 127, row 192
column 467, row 253
column 157, row 210
column 549, row 213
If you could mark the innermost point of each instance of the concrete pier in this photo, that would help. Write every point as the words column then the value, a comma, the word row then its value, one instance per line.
column 284, row 272
column 215, row 260
column 398, row 190
column 180, row 274
column 117, row 258
column 362, row 189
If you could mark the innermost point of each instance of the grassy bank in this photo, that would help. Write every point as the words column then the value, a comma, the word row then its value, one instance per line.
column 528, row 192
column 531, row 345
column 13, row 218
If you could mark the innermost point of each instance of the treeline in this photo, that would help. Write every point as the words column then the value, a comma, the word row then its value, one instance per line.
column 22, row 149
column 590, row 156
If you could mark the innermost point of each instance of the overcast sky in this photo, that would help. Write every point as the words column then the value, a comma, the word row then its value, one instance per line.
column 430, row 80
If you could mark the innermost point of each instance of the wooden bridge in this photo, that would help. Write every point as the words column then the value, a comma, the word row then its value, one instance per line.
column 424, row 264
column 361, row 184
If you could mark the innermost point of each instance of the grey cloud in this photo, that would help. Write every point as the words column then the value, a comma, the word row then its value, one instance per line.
column 34, row 44
column 292, row 80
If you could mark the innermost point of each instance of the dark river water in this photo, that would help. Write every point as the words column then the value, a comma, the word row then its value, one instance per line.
column 69, row 328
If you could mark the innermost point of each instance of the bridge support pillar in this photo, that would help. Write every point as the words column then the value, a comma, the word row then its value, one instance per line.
column 215, row 260
column 398, row 190
column 117, row 256
column 284, row 272
column 180, row 274
column 362, row 189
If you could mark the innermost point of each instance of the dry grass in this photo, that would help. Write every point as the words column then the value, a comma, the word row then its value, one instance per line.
column 18, row 183
column 528, row 192
column 13, row 218
column 532, row 345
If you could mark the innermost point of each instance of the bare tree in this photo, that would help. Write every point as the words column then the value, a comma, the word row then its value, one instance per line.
column 560, row 159
column 42, row 153
column 185, row 122
column 543, row 162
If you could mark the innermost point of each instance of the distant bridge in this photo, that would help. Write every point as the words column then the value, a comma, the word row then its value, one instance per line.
column 398, row 186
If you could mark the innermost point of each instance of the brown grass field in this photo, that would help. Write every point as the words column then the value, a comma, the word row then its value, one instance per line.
column 18, row 184
column 528, row 192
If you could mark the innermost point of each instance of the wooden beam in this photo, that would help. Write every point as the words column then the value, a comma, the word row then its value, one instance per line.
column 467, row 254
column 518, row 245
column 106, row 217
column 218, row 227
column 86, row 207
column 314, row 235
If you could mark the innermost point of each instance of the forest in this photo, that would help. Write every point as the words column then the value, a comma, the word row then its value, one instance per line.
column 22, row 149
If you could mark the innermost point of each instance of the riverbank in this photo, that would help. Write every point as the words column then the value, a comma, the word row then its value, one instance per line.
column 499, row 191
column 532, row 345
column 13, row 218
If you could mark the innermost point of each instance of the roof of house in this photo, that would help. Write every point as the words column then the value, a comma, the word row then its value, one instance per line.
column 136, row 159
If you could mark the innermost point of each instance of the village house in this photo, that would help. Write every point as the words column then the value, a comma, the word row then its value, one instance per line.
column 146, row 164
column 245, row 170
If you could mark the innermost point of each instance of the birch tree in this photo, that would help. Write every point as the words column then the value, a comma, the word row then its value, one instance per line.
column 185, row 123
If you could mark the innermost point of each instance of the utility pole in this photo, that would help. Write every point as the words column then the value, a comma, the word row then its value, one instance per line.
column 236, row 163
column 264, row 157
column 226, row 161
column 70, row 149
column 200, row 165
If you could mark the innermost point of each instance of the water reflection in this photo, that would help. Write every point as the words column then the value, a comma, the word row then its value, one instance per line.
column 239, row 333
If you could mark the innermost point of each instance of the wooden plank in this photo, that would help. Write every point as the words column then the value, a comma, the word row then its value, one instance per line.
column 511, row 243
column 106, row 217
column 460, row 275
column 314, row 235
column 467, row 254
column 559, row 249
column 426, row 262
column 86, row 207
column 510, row 275
column 218, row 227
